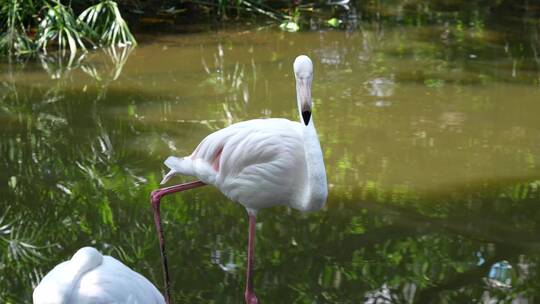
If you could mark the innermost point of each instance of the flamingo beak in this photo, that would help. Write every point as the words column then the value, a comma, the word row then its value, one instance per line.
column 306, row 115
column 305, row 99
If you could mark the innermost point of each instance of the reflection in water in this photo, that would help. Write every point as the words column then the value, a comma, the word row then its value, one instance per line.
column 110, row 69
column 58, row 65
column 499, row 274
column 381, row 87
column 431, row 157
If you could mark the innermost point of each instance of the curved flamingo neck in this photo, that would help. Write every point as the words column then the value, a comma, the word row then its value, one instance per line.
column 314, row 192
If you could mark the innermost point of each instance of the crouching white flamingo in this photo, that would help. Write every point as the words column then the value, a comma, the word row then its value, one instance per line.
column 258, row 163
column 90, row 278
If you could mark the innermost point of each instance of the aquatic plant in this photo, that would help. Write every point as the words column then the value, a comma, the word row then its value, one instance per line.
column 13, row 38
column 60, row 25
column 37, row 26
column 105, row 19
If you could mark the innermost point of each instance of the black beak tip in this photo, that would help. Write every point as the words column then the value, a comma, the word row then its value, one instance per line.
column 306, row 115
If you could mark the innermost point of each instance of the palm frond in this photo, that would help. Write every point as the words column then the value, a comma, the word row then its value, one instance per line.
column 105, row 19
column 60, row 25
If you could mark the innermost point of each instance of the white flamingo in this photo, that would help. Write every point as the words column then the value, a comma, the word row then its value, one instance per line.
column 90, row 278
column 258, row 163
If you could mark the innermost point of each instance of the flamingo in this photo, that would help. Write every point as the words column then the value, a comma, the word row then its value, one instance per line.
column 90, row 277
column 258, row 163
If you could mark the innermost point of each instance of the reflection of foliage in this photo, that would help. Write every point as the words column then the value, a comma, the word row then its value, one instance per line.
column 414, row 255
column 65, row 202
column 85, row 188
column 230, row 82
column 19, row 252
column 110, row 70
column 58, row 65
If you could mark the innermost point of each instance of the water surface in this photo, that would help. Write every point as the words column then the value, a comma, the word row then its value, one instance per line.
column 431, row 140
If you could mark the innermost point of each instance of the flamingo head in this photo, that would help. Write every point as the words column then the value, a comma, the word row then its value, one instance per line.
column 303, row 72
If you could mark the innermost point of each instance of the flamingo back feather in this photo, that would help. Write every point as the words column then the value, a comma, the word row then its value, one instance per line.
column 90, row 277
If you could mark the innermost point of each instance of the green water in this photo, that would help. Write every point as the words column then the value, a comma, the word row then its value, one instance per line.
column 431, row 139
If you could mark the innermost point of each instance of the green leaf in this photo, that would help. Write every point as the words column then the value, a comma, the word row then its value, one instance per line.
column 334, row 22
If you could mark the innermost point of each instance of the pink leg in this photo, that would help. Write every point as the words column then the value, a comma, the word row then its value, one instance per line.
column 250, row 294
column 156, row 200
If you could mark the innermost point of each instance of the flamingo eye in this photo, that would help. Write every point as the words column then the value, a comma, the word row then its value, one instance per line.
column 306, row 115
